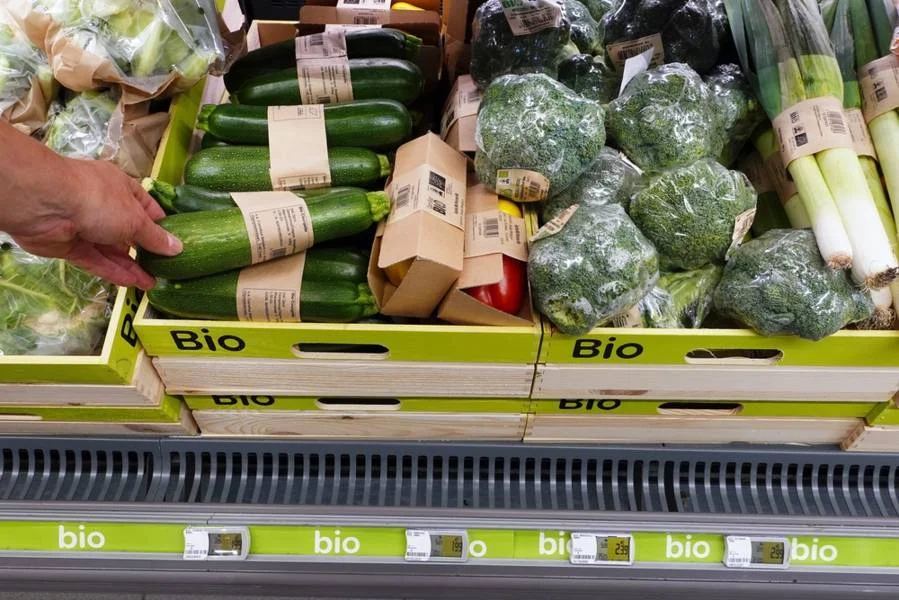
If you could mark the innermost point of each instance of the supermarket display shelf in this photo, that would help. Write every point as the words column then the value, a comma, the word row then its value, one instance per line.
column 332, row 518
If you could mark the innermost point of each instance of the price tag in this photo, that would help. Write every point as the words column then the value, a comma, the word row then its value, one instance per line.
column 601, row 549
column 436, row 546
column 743, row 552
column 216, row 543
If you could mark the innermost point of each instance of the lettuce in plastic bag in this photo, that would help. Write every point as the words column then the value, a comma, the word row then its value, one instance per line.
column 81, row 129
column 20, row 64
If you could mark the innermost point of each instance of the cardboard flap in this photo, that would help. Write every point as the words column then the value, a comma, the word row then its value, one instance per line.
column 424, row 236
column 461, row 309
column 424, row 24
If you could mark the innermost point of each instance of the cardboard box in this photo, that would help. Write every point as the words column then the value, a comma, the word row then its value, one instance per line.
column 459, row 307
column 415, row 232
column 456, row 57
column 460, row 115
column 425, row 24
column 457, row 17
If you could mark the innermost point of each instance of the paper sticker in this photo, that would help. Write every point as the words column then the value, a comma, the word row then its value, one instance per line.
column 742, row 224
column 270, row 292
column 196, row 544
column 329, row 44
column 346, row 26
column 298, row 147
column 426, row 189
column 810, row 127
column 556, row 225
column 495, row 232
column 363, row 12
column 861, row 137
column 783, row 184
column 464, row 101
column 739, row 552
column 632, row 318
column 757, row 172
column 619, row 52
column 325, row 80
column 531, row 16
column 522, row 185
column 634, row 66
column 278, row 223
column 879, row 81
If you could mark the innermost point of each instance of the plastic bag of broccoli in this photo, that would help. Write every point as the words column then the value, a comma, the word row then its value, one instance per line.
column 695, row 215
column 595, row 267
column 680, row 31
column 590, row 77
column 535, row 124
column 150, row 47
column 497, row 50
column 26, row 81
column 666, row 117
column 738, row 108
column 49, row 307
column 680, row 300
column 585, row 31
column 611, row 179
column 778, row 284
column 599, row 8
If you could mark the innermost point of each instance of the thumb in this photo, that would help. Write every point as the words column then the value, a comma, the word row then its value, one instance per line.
column 155, row 239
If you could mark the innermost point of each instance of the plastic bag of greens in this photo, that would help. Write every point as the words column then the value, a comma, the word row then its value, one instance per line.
column 49, row 307
column 738, row 108
column 535, row 124
column 599, row 8
column 151, row 47
column 680, row 300
column 590, row 77
column 538, row 43
column 594, row 268
column 778, row 284
column 585, row 31
column 26, row 81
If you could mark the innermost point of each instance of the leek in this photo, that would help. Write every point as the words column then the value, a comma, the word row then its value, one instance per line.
column 766, row 145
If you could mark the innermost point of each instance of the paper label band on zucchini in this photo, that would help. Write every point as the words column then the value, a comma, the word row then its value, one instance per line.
column 323, row 68
column 810, row 127
column 879, row 81
column 522, row 185
column 861, row 137
column 270, row 292
column 620, row 52
column 464, row 100
column 426, row 189
column 278, row 224
column 298, row 147
column 530, row 16
column 363, row 12
column 495, row 232
column 784, row 186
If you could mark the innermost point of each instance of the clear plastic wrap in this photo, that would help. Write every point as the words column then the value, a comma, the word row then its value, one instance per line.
column 680, row 300
column 49, row 307
column 610, row 179
column 778, row 284
column 535, row 123
column 596, row 267
column 150, row 46
column 82, row 129
column 666, row 117
column 590, row 77
column 599, row 8
column 695, row 215
column 26, row 81
column 585, row 31
column 738, row 108
column 691, row 30
column 496, row 51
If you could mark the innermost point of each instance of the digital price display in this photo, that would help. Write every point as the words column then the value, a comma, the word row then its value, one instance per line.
column 216, row 543
column 756, row 553
column 601, row 549
column 436, row 546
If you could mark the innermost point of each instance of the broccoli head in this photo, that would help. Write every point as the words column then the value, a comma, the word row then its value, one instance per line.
column 596, row 267
column 590, row 77
column 680, row 300
column 695, row 214
column 533, row 122
column 666, row 117
column 738, row 108
column 778, row 284
column 691, row 30
column 599, row 8
column 611, row 179
column 496, row 51
column 585, row 32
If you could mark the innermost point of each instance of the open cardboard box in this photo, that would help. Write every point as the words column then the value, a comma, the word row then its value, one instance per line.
column 425, row 23
column 460, row 115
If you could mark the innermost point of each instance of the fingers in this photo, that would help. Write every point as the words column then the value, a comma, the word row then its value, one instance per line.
column 150, row 206
column 111, row 267
column 155, row 239
column 120, row 257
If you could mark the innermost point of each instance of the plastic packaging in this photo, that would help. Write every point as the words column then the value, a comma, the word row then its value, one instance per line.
column 496, row 51
column 590, row 77
column 82, row 128
column 596, row 267
column 26, row 81
column 680, row 300
column 778, row 284
column 585, row 31
column 49, row 307
column 695, row 215
column 666, row 117
column 611, row 179
column 691, row 30
column 738, row 108
column 599, row 8
column 535, row 123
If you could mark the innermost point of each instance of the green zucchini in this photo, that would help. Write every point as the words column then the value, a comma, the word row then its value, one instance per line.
column 371, row 79
column 333, row 291
column 216, row 241
column 360, row 43
column 210, row 141
column 361, row 124
column 246, row 168
column 188, row 198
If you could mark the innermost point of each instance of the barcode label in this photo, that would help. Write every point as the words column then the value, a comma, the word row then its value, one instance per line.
column 418, row 555
column 401, row 199
column 365, row 20
column 835, row 120
column 491, row 227
column 810, row 127
column 620, row 52
column 879, row 81
column 424, row 189
column 437, row 206
column 317, row 39
column 521, row 185
column 279, row 252
column 636, row 50
column 526, row 17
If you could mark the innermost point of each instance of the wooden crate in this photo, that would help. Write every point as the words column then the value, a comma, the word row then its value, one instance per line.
column 879, row 433
column 185, row 425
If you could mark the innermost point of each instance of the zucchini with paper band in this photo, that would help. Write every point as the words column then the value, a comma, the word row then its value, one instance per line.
column 188, row 198
column 333, row 290
column 371, row 79
column 246, row 168
column 360, row 43
column 216, row 241
column 361, row 123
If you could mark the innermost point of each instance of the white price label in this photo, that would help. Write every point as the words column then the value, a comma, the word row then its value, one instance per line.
column 436, row 546
column 601, row 549
column 742, row 552
column 739, row 552
column 196, row 544
column 418, row 546
column 216, row 543
column 583, row 548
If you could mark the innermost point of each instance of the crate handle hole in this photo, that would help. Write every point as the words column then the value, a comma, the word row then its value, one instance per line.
column 13, row 418
column 341, row 351
column 700, row 409
column 358, row 404
column 734, row 356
